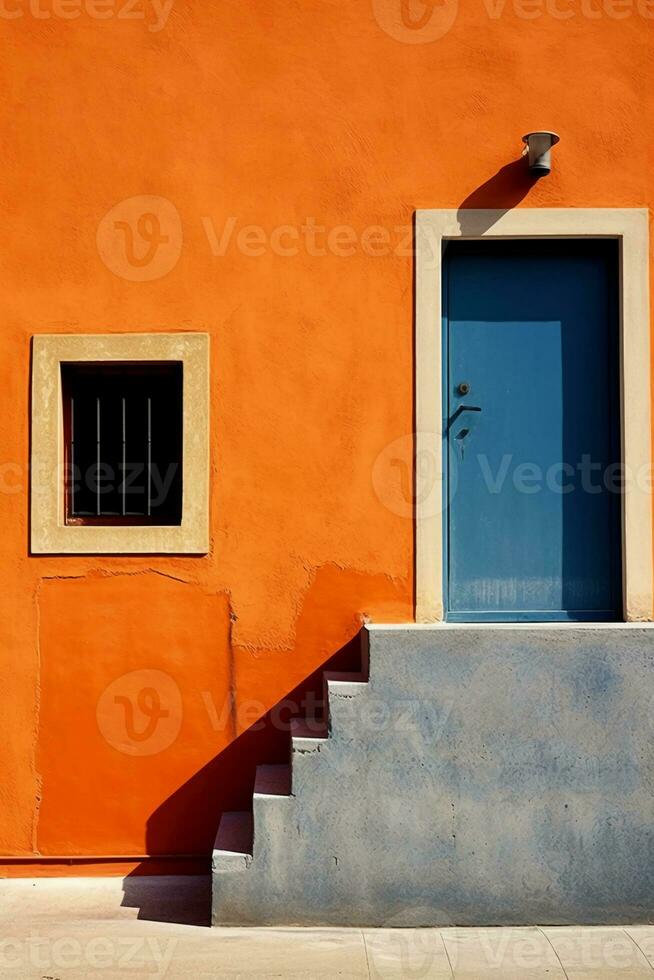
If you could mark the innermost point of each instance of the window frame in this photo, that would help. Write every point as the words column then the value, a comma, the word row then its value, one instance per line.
column 50, row 531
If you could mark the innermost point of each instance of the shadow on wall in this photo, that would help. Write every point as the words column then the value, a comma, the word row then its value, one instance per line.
column 500, row 193
column 226, row 783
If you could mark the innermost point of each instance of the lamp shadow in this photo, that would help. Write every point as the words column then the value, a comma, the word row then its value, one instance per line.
column 223, row 784
column 497, row 195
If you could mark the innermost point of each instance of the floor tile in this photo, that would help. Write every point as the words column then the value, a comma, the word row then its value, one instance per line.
column 394, row 954
column 512, row 954
column 599, row 953
column 643, row 936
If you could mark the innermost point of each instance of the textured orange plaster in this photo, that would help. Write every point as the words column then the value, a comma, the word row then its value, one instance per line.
column 333, row 611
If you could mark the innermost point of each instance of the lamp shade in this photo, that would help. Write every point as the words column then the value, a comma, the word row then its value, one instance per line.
column 539, row 145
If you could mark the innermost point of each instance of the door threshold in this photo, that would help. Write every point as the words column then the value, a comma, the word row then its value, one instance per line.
column 575, row 616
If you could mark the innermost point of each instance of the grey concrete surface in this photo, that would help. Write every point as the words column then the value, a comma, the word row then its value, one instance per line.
column 107, row 929
column 484, row 776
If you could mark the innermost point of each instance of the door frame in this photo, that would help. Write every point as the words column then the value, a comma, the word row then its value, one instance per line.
column 630, row 226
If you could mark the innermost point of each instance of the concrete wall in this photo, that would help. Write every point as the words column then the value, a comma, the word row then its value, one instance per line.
column 487, row 775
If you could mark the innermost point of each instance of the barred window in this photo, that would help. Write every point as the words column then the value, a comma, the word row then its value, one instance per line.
column 123, row 424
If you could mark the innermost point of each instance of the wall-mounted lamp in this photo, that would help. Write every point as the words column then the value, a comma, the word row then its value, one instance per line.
column 539, row 146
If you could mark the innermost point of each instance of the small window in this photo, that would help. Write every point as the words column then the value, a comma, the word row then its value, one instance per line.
column 120, row 455
column 122, row 427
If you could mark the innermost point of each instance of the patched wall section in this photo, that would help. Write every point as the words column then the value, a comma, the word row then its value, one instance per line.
column 136, row 698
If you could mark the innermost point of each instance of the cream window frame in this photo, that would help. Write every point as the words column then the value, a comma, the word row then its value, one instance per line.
column 49, row 532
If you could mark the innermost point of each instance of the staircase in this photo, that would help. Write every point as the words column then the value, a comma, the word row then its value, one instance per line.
column 264, row 831
column 484, row 775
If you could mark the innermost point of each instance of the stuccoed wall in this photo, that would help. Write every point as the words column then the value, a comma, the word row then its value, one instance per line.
column 316, row 128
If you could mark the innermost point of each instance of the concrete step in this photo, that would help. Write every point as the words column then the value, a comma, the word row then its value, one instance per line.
column 273, row 781
column 272, row 806
column 233, row 847
column 308, row 735
column 344, row 685
column 341, row 692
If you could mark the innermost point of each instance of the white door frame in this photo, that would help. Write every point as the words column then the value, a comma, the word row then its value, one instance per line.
column 631, row 228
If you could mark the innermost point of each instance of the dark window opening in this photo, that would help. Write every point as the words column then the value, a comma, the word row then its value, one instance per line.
column 123, row 442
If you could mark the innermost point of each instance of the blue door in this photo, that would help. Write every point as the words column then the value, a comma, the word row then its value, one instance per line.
column 532, row 431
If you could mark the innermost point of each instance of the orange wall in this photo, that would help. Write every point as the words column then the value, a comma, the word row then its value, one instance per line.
column 271, row 112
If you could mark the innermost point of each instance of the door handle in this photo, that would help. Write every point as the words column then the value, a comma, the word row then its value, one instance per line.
column 459, row 411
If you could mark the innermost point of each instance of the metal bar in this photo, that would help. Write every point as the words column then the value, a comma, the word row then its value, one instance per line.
column 124, row 458
column 149, row 452
column 71, row 475
column 97, row 446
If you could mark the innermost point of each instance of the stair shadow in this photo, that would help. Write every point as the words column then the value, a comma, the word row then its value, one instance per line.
column 180, row 899
column 225, row 783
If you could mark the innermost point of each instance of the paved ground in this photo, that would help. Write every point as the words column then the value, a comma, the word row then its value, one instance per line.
column 67, row 929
